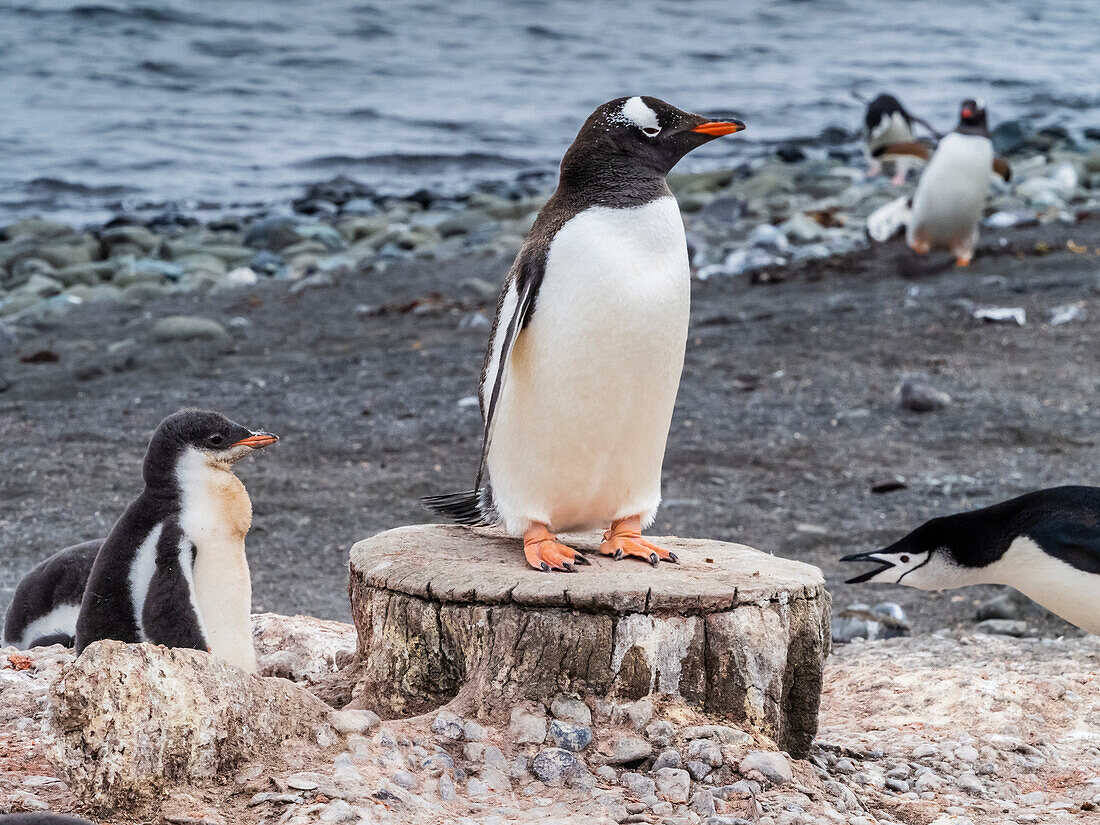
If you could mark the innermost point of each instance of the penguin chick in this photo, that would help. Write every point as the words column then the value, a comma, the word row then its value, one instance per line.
column 173, row 569
column 584, row 359
column 1045, row 544
column 47, row 600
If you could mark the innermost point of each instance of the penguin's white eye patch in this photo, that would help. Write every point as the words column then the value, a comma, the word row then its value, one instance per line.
column 637, row 112
column 652, row 131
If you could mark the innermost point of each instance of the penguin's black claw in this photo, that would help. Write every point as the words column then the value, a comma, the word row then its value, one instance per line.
column 579, row 559
column 654, row 559
column 544, row 567
column 618, row 554
column 568, row 567
column 672, row 557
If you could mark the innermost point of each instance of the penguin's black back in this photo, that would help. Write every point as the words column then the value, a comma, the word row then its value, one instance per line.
column 107, row 611
column 883, row 106
column 59, row 580
column 42, row 819
column 1063, row 521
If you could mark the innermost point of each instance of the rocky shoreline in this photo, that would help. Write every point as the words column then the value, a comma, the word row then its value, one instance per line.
column 803, row 203
column 955, row 729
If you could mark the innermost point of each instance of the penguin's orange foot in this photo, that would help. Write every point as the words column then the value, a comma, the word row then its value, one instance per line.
column 920, row 247
column 545, row 553
column 625, row 539
column 961, row 260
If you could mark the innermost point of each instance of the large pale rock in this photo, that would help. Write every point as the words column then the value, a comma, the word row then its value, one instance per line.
column 451, row 614
column 129, row 721
column 301, row 648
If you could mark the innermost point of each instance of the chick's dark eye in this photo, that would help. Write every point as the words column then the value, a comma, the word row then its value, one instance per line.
column 216, row 440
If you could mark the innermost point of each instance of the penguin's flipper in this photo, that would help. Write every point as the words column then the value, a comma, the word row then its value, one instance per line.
column 1068, row 539
column 526, row 284
column 474, row 508
column 1002, row 169
column 908, row 148
column 169, row 616
column 888, row 220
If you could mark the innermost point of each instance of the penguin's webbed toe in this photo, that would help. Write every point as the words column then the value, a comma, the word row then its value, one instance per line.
column 544, row 552
column 625, row 539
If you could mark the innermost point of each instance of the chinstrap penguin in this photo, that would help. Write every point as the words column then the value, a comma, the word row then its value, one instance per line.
column 173, row 569
column 1045, row 544
column 584, row 359
column 886, row 122
column 47, row 600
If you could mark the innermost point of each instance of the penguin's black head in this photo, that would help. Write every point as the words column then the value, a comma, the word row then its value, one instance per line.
column 200, row 436
column 925, row 559
column 972, row 118
column 642, row 135
column 881, row 107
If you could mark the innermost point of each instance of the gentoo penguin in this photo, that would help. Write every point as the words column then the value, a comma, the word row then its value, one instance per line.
column 948, row 203
column 886, row 122
column 42, row 819
column 47, row 600
column 1044, row 544
column 584, row 359
column 173, row 569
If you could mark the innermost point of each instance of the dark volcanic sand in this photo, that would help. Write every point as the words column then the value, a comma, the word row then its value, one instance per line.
column 785, row 417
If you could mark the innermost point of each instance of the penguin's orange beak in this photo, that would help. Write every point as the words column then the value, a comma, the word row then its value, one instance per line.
column 257, row 441
column 717, row 128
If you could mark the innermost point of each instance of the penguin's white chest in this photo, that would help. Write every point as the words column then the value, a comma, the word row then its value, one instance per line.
column 1059, row 587
column 952, row 191
column 893, row 128
column 589, row 391
column 215, row 517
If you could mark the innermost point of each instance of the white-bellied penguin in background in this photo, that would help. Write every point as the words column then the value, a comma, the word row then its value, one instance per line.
column 885, row 123
column 47, row 600
column 173, row 569
column 947, row 206
column 584, row 359
column 1044, row 544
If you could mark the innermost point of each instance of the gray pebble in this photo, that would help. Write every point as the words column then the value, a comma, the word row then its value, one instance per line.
column 668, row 759
column 569, row 736
column 673, row 784
column 527, row 727
column 774, row 767
column 698, row 770
column 554, row 766
column 448, row 725
column 629, row 749
column 639, row 786
column 569, row 709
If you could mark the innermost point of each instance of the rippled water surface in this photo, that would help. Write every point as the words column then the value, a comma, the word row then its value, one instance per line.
column 220, row 105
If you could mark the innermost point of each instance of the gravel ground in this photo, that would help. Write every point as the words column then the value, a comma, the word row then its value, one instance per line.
column 785, row 421
column 947, row 729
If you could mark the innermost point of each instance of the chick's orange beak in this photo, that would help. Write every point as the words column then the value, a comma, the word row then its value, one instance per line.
column 717, row 128
column 257, row 440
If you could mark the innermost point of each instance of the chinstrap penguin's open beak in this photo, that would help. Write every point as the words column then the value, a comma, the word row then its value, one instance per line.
column 883, row 565
column 717, row 128
column 257, row 441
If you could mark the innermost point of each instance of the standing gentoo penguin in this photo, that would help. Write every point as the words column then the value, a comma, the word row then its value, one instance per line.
column 584, row 360
column 1044, row 544
column 886, row 122
column 173, row 570
column 47, row 600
